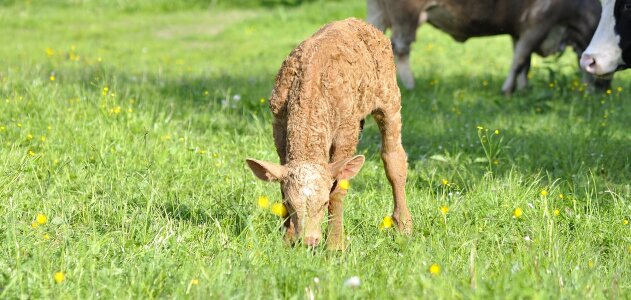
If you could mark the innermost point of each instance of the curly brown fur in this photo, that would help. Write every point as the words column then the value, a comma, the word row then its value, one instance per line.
column 323, row 91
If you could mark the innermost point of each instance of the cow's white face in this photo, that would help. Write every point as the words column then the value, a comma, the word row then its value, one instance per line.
column 609, row 49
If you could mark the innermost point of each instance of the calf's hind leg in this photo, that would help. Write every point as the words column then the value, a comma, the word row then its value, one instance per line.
column 395, row 165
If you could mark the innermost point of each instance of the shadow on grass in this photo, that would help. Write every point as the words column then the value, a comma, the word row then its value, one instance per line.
column 552, row 131
column 183, row 212
column 557, row 131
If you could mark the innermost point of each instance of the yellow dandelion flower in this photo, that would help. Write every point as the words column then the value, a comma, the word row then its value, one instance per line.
column 49, row 52
column 445, row 182
column 29, row 136
column 31, row 153
column 543, row 193
column 262, row 100
column 344, row 184
column 42, row 138
column 434, row 269
column 2, row 128
column 497, row 131
column 387, row 222
column 105, row 90
column 625, row 222
column 34, row 224
column 52, row 78
column 205, row 93
column 608, row 92
column 41, row 219
column 115, row 110
column 444, row 209
column 590, row 264
column 557, row 212
column 279, row 209
column 561, row 196
column 517, row 213
column 46, row 236
column 59, row 277
column 195, row 281
column 619, row 89
column 263, row 202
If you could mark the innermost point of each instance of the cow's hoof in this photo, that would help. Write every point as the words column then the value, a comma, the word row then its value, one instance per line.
column 508, row 89
column 408, row 83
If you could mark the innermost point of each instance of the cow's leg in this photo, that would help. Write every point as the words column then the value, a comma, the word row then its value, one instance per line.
column 344, row 147
column 376, row 14
column 522, row 77
column 524, row 47
column 395, row 164
column 405, row 22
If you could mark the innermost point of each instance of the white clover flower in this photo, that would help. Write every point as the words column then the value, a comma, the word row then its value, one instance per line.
column 352, row 282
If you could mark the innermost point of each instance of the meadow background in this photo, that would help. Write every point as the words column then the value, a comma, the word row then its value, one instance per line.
column 123, row 131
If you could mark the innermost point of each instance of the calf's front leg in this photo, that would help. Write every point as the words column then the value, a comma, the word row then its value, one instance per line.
column 335, row 232
column 344, row 147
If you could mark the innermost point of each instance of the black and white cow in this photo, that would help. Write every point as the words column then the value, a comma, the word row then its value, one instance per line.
column 610, row 48
column 536, row 26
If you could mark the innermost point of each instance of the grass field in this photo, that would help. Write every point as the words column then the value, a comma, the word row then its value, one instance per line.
column 124, row 129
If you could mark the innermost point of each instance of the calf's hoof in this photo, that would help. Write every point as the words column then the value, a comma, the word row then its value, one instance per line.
column 332, row 245
column 403, row 223
column 289, row 238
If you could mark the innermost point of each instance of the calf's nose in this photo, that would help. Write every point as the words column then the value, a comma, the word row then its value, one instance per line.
column 588, row 63
column 312, row 241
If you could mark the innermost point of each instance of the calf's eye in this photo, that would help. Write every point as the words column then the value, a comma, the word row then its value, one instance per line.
column 334, row 186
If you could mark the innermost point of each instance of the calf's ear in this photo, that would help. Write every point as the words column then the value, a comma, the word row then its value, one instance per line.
column 265, row 170
column 347, row 168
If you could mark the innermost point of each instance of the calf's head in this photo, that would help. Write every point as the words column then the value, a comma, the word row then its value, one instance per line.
column 610, row 48
column 306, row 189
